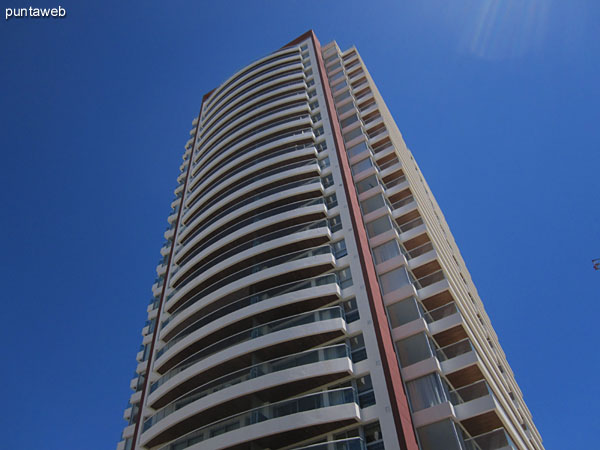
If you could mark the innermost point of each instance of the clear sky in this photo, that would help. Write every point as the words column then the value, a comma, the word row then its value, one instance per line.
column 498, row 100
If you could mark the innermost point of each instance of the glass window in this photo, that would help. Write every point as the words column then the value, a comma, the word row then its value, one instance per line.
column 357, row 149
column 357, row 348
column 349, row 120
column 314, row 105
column 345, row 108
column 350, row 310
column 331, row 58
column 331, row 201
column 364, row 388
column 345, row 278
column 340, row 85
column 386, row 251
column 372, row 204
column 319, row 131
column 335, row 223
column 353, row 134
column 339, row 249
column 335, row 66
column 414, row 349
column 439, row 435
column 323, row 163
column 337, row 76
column 327, row 181
column 373, row 436
column 368, row 183
column 379, row 226
column 403, row 312
column 426, row 392
column 393, row 280
column 362, row 166
column 321, row 146
column 342, row 96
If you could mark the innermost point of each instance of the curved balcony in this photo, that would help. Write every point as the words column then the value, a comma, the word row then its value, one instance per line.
column 277, row 378
column 257, row 189
column 254, row 137
column 218, row 185
column 196, row 315
column 258, row 100
column 199, row 263
column 239, row 280
column 293, row 419
column 243, row 74
column 276, row 339
column 245, row 229
column 225, row 321
column 230, row 126
column 251, row 208
column 229, row 163
column 248, row 128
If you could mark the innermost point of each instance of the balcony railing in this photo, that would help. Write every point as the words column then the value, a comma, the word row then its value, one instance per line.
column 354, row 443
column 252, row 333
column 261, row 296
column 403, row 202
column 494, row 440
column 428, row 280
column 228, row 231
column 278, row 260
column 454, row 350
column 439, row 313
column 279, row 409
column 249, row 373
column 414, row 223
column 471, row 392
column 420, row 250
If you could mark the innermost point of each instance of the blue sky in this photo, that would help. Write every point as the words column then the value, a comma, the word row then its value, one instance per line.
column 498, row 100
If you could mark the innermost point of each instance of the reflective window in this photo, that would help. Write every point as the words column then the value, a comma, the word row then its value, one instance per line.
column 345, row 108
column 386, row 251
column 349, row 120
column 342, row 96
column 362, row 166
column 372, row 204
column 368, row 183
column 357, row 348
column 439, row 435
column 426, row 392
column 339, row 86
column 393, row 280
column 357, row 149
column 414, row 349
column 353, row 134
column 345, row 277
column 403, row 312
column 379, row 226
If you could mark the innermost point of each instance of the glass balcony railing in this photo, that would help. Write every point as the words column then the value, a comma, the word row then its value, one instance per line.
column 354, row 443
column 454, row 350
column 233, row 205
column 428, row 280
column 403, row 202
column 249, row 373
column 261, row 296
column 471, row 392
column 289, row 257
column 248, row 123
column 252, row 333
column 222, row 256
column 228, row 231
column 439, row 313
column 420, row 250
column 225, row 91
column 494, row 440
column 414, row 223
column 244, row 166
column 279, row 409
column 254, row 198
column 242, row 303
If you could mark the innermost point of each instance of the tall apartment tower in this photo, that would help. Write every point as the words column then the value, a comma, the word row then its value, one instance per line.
column 311, row 295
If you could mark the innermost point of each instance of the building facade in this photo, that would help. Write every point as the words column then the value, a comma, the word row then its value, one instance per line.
column 311, row 295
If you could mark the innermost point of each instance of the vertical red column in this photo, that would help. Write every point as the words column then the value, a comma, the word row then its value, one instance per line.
column 398, row 400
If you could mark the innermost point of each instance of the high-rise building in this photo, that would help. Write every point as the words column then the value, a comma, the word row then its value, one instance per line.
column 311, row 295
